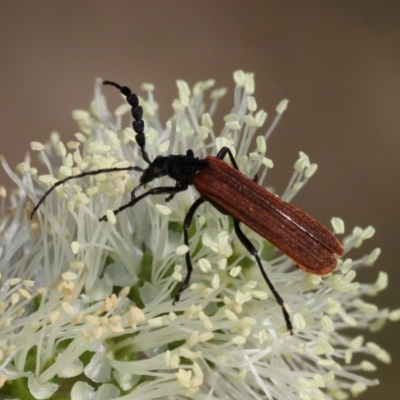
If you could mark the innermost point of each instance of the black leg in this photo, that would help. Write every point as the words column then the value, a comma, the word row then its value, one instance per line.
column 81, row 175
column 151, row 192
column 223, row 152
column 186, row 225
column 171, row 196
column 252, row 250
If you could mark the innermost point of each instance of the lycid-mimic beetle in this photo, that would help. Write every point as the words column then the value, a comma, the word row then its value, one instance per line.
column 307, row 242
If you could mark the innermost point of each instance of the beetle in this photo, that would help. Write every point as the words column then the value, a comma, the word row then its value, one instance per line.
column 303, row 239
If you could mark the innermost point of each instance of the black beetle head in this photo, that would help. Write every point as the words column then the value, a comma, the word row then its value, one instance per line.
column 157, row 168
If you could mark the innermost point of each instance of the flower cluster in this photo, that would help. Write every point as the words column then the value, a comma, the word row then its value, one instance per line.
column 86, row 306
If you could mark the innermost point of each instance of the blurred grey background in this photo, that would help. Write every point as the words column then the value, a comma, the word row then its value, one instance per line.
column 337, row 62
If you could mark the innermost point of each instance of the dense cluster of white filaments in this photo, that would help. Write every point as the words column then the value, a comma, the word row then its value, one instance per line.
column 86, row 306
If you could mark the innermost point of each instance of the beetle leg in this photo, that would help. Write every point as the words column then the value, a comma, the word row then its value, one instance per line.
column 151, row 192
column 186, row 225
column 223, row 152
column 252, row 250
column 177, row 185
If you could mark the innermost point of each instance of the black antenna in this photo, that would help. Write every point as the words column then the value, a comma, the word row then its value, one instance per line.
column 81, row 175
column 137, row 114
column 138, row 126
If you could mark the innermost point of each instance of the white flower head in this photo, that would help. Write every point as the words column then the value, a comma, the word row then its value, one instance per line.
column 87, row 307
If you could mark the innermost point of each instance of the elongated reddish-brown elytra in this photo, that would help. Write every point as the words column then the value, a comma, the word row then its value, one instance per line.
column 307, row 242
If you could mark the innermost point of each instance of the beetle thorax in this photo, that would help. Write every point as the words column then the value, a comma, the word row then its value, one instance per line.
column 180, row 168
